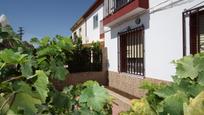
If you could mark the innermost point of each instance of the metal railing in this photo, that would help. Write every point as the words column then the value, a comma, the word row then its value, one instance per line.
column 85, row 61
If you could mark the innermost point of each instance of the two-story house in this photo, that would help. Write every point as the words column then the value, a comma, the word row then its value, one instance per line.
column 144, row 36
column 90, row 27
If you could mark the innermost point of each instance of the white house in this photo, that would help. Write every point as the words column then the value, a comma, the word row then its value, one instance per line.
column 89, row 27
column 144, row 36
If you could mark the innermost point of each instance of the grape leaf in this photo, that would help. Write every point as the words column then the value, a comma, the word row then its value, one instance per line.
column 58, row 70
column 186, row 69
column 90, row 83
column 166, row 91
column 11, row 57
column 34, row 40
column 44, row 41
column 173, row 104
column 26, row 103
column 41, row 84
column 196, row 106
column 26, row 68
column 95, row 97
column 22, row 87
column 201, row 78
column 60, row 100
column 5, row 107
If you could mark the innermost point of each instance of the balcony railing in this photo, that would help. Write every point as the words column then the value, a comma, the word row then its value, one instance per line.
column 120, row 4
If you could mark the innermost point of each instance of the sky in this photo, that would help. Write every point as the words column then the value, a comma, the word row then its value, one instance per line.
column 44, row 17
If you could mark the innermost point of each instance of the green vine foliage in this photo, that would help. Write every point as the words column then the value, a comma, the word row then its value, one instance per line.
column 25, row 75
column 183, row 96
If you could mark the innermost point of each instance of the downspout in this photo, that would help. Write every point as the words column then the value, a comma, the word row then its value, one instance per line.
column 85, row 30
column 184, row 33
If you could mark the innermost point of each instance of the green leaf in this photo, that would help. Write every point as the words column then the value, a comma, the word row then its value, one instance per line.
column 11, row 57
column 190, row 88
column 26, row 68
column 173, row 104
column 201, row 78
column 60, row 100
column 4, row 106
column 196, row 106
column 142, row 107
column 58, row 70
column 90, row 83
column 34, row 40
column 86, row 111
column 61, row 73
column 199, row 61
column 64, row 42
column 186, row 69
column 45, row 41
column 22, row 87
column 95, row 97
column 26, row 103
column 41, row 84
column 41, row 60
column 166, row 91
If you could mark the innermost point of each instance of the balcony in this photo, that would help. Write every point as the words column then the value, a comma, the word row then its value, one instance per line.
column 124, row 9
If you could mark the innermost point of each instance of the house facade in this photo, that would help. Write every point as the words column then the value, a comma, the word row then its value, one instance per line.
column 89, row 27
column 78, row 30
column 143, row 37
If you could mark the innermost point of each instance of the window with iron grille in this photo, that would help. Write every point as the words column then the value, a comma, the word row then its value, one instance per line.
column 197, row 32
column 196, row 24
column 131, row 51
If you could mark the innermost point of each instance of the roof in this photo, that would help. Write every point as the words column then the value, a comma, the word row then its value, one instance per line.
column 91, row 9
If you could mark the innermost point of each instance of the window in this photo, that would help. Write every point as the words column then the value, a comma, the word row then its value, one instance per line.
column 95, row 21
column 75, row 37
column 80, row 32
column 197, row 32
column 132, row 51
column 120, row 3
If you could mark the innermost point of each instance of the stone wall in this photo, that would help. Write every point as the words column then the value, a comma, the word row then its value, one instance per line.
column 128, row 83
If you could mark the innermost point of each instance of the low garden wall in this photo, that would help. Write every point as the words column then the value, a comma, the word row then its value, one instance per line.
column 75, row 78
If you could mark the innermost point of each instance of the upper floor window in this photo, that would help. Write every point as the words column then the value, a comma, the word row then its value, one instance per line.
column 80, row 31
column 74, row 37
column 95, row 21
column 118, row 4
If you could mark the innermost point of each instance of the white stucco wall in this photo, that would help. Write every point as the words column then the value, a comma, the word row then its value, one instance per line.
column 94, row 34
column 82, row 34
column 163, row 39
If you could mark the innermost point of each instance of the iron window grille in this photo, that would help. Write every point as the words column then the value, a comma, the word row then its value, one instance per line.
column 131, row 51
column 196, row 24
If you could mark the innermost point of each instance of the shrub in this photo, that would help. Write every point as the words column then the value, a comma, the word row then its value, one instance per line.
column 25, row 88
column 176, row 98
